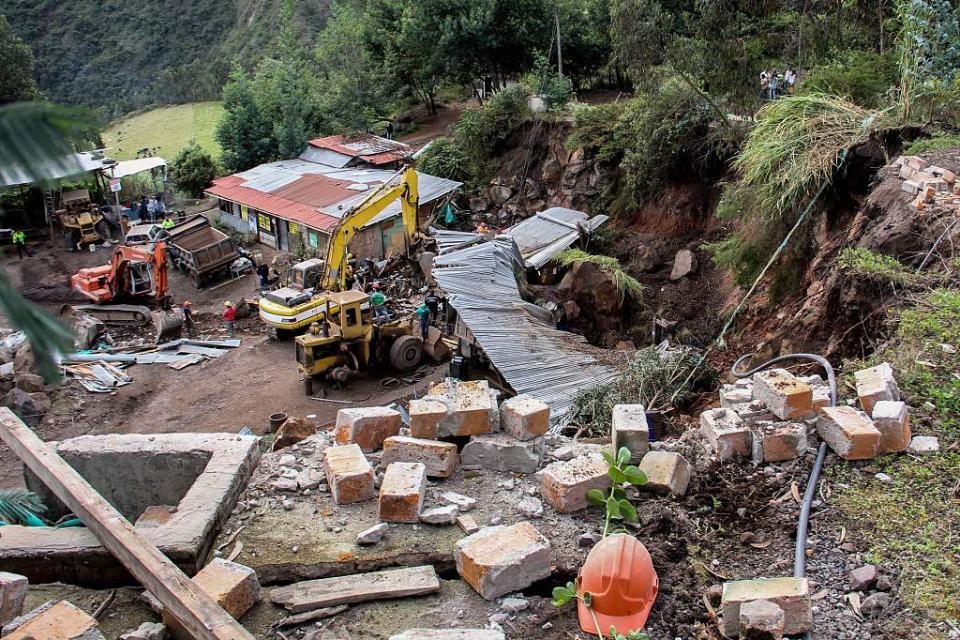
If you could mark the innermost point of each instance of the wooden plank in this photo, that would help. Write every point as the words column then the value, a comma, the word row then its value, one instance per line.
column 360, row 587
column 197, row 612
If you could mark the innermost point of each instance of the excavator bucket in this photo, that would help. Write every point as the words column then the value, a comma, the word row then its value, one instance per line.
column 168, row 323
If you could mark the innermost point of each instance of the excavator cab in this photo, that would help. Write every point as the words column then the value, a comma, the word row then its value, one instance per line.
column 140, row 280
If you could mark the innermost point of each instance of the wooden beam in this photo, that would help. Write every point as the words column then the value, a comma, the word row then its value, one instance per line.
column 359, row 587
column 197, row 612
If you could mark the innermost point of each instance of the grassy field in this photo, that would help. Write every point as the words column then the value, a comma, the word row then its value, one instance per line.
column 166, row 130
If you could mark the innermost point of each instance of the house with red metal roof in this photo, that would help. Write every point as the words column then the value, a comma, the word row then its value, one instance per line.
column 291, row 205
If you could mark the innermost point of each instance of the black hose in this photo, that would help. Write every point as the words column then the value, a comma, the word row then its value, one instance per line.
column 800, row 555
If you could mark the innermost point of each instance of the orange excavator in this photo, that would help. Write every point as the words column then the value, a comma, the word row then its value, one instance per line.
column 135, row 274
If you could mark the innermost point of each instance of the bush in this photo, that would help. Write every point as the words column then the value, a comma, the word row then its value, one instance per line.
column 480, row 131
column 936, row 143
column 446, row 159
column 193, row 170
column 864, row 77
column 862, row 262
column 543, row 81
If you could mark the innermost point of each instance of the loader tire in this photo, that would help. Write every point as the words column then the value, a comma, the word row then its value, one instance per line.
column 405, row 353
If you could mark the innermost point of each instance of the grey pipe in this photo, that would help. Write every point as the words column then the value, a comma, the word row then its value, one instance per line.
column 800, row 556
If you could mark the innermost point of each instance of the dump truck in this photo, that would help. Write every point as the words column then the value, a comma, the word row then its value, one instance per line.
column 198, row 248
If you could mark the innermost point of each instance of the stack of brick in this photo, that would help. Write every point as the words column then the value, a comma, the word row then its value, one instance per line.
column 929, row 184
column 453, row 408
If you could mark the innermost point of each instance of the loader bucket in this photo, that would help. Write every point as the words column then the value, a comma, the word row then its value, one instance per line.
column 168, row 323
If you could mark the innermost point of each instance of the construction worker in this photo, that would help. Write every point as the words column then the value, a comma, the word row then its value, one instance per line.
column 167, row 223
column 619, row 575
column 433, row 303
column 379, row 302
column 20, row 242
column 423, row 311
column 229, row 317
column 188, row 317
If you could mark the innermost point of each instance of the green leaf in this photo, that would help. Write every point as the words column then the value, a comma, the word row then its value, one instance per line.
column 623, row 455
column 562, row 595
column 596, row 497
column 616, row 476
column 613, row 507
column 635, row 476
column 619, row 493
column 628, row 511
column 609, row 458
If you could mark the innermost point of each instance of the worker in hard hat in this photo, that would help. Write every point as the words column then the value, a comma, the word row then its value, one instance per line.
column 229, row 317
column 379, row 303
column 619, row 576
column 188, row 317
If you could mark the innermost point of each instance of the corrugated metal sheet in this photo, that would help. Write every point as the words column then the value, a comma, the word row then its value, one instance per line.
column 325, row 156
column 534, row 358
column 542, row 236
column 70, row 165
column 366, row 147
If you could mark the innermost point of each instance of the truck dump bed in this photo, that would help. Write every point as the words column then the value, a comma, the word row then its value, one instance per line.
column 198, row 247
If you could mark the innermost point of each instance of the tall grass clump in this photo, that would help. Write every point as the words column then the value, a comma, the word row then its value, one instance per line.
column 627, row 285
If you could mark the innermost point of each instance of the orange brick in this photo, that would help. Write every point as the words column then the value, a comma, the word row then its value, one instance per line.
column 785, row 395
column 231, row 585
column 349, row 475
column 778, row 441
column 524, row 417
column 440, row 458
column 425, row 417
column 367, row 426
column 564, row 485
column 850, row 433
column 499, row 560
column 876, row 384
column 401, row 492
column 55, row 621
column 892, row 420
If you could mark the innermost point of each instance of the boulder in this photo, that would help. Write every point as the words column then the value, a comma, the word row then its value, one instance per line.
column 684, row 263
column 293, row 431
column 29, row 407
column 479, row 204
column 499, row 194
column 29, row 382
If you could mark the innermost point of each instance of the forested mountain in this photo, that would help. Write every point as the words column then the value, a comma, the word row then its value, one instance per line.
column 126, row 55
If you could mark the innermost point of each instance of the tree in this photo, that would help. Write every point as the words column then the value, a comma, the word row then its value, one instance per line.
column 16, row 67
column 245, row 134
column 193, row 170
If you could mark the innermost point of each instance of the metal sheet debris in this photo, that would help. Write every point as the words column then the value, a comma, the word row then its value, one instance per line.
column 98, row 377
column 541, row 237
column 533, row 357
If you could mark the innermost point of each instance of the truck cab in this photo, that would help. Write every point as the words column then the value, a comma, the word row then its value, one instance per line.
column 142, row 234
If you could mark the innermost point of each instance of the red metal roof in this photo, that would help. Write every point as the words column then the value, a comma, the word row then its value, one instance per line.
column 365, row 146
column 289, row 202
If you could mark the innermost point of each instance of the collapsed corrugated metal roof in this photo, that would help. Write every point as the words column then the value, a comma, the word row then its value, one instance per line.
column 542, row 236
column 366, row 147
column 534, row 358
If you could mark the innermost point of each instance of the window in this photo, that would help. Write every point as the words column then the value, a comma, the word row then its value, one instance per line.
column 351, row 317
column 264, row 222
column 225, row 205
column 243, row 212
column 294, row 228
column 313, row 239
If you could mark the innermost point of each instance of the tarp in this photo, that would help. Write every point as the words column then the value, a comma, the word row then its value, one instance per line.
column 126, row 168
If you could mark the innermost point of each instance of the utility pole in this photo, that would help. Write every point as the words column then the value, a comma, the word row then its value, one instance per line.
column 556, row 18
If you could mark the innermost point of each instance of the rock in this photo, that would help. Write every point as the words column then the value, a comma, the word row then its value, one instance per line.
column 29, row 382
column 874, row 606
column 147, row 631
column 761, row 620
column 792, row 595
column 499, row 560
column 563, row 453
column 884, row 478
column 309, row 479
column 629, row 429
column 921, row 445
column 373, row 535
column 13, row 591
column 284, row 484
column 778, row 441
column 293, row 431
column 463, row 503
column 499, row 194
column 440, row 515
column 684, row 263
column 24, row 360
column 884, row 583
column 29, row 407
column 863, row 578
column 714, row 593
column 514, row 604
column 571, row 309
column 588, row 540
column 287, row 460
column 593, row 288
column 478, row 204
column 530, row 507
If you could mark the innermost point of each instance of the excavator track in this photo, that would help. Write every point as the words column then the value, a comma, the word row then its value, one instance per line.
column 117, row 314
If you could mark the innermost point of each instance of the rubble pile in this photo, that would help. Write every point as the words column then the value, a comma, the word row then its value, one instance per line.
column 932, row 185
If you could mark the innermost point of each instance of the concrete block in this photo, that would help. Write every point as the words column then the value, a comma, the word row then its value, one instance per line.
column 785, row 395
column 753, row 412
column 915, row 161
column 440, row 458
column 349, row 475
column 54, row 621
column 778, row 441
column 564, row 485
column 440, row 515
column 912, row 187
column 792, row 595
column 425, row 417
column 629, row 429
column 500, row 452
column 726, row 432
column 463, row 503
column 467, row 524
column 367, row 427
column 876, row 384
column 449, row 634
column 13, row 591
column 732, row 395
column 233, row 586
column 850, row 433
column 667, row 473
column 402, row 491
column 524, row 417
column 761, row 620
column 921, row 445
column 892, row 420
column 499, row 560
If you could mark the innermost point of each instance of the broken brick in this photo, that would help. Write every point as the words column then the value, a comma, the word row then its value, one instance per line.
column 467, row 524
column 231, row 585
column 402, row 491
column 500, row 452
column 367, row 427
column 13, row 591
column 440, row 458
column 876, row 384
column 778, row 441
column 349, row 475
column 54, row 621
column 629, row 429
column 892, row 420
column 667, row 473
column 785, row 395
column 499, row 560
column 524, row 417
column 910, row 186
column 761, row 620
column 726, row 432
column 850, row 433
column 792, row 595
column 564, row 485
column 732, row 395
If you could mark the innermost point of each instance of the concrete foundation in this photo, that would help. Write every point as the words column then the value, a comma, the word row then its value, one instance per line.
column 202, row 475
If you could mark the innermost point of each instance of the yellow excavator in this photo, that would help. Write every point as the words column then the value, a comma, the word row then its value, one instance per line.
column 304, row 300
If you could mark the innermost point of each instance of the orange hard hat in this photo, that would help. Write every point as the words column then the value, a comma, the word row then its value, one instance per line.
column 619, row 576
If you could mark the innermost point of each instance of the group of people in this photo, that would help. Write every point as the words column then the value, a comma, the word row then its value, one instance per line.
column 774, row 84
column 152, row 209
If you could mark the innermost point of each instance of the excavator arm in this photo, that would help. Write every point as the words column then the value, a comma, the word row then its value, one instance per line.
column 334, row 276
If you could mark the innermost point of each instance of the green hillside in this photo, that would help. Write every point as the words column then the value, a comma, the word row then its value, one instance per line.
column 123, row 56
column 166, row 130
